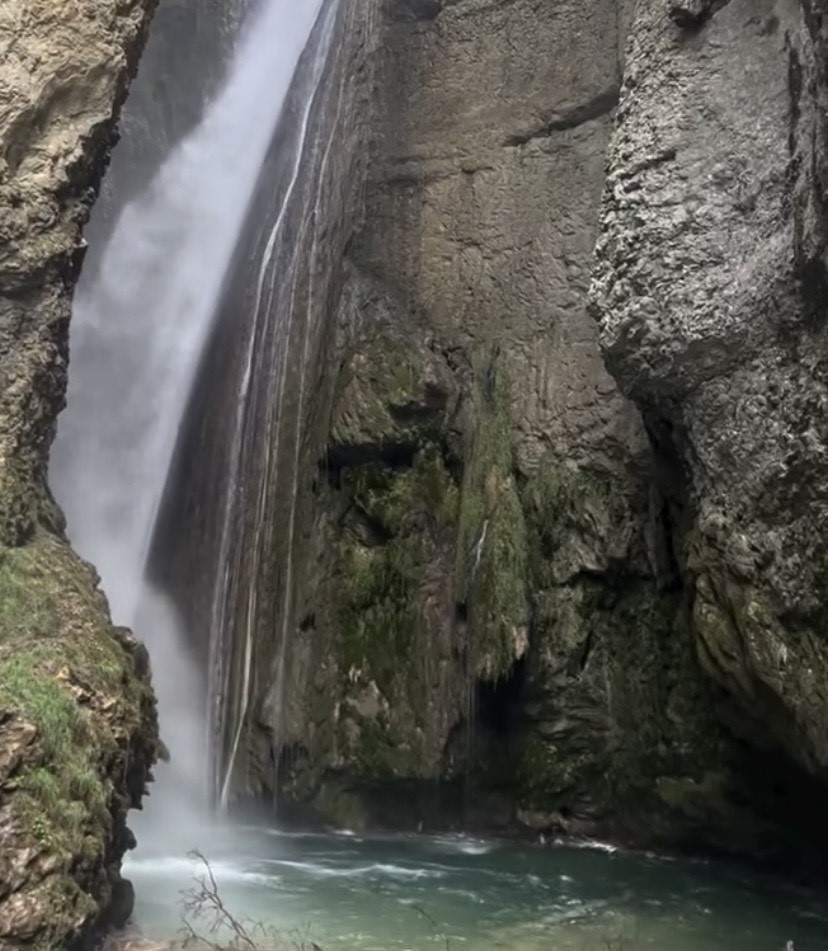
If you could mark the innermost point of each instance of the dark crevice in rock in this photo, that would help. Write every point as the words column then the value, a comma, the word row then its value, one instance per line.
column 424, row 11
column 434, row 400
column 391, row 453
column 672, row 478
column 647, row 163
column 413, row 11
column 693, row 15
column 795, row 81
column 600, row 105
column 499, row 702
column 813, row 275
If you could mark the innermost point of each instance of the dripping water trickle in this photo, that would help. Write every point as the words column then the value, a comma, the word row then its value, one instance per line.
column 228, row 708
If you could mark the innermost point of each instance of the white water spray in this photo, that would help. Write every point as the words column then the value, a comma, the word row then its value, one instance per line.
column 270, row 430
column 139, row 328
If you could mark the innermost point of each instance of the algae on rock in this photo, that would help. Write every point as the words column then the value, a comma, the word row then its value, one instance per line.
column 492, row 560
column 77, row 740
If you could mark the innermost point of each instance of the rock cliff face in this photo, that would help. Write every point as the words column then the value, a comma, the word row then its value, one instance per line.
column 710, row 291
column 522, row 582
column 232, row 543
column 77, row 717
column 477, row 439
column 493, row 609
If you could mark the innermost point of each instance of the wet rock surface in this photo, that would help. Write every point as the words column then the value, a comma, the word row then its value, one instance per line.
column 525, row 581
column 498, row 602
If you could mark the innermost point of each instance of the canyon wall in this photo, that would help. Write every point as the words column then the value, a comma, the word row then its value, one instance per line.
column 498, row 616
column 231, row 540
column 77, row 717
column 500, row 550
column 710, row 290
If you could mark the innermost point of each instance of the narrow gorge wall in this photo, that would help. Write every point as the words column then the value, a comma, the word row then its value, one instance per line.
column 474, row 410
column 77, row 719
column 492, row 620
column 232, row 542
column 492, row 615
column 710, row 291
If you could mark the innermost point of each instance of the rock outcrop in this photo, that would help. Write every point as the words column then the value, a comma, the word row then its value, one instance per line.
column 77, row 717
column 510, row 605
column 710, row 289
column 484, row 474
column 478, row 611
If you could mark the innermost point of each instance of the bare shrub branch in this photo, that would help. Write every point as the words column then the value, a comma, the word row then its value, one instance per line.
column 421, row 911
column 207, row 923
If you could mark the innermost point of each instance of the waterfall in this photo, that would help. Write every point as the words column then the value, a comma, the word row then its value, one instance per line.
column 140, row 325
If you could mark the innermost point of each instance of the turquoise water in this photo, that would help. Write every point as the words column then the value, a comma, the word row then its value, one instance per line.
column 421, row 893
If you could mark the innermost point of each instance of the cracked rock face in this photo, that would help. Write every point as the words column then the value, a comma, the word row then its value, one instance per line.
column 710, row 291
column 64, row 75
column 492, row 538
column 485, row 538
column 77, row 717
column 471, row 365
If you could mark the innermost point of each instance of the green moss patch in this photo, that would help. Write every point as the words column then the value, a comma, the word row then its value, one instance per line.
column 377, row 600
column 390, row 393
column 60, row 793
column 400, row 499
column 28, row 606
column 64, row 672
column 399, row 525
column 560, row 501
column 492, row 556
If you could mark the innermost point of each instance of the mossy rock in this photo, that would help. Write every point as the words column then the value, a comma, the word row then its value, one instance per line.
column 78, row 736
column 577, row 520
column 18, row 503
column 492, row 554
column 410, row 509
column 400, row 522
column 393, row 396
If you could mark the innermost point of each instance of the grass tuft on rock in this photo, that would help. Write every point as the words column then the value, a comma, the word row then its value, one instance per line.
column 63, row 674
column 61, row 798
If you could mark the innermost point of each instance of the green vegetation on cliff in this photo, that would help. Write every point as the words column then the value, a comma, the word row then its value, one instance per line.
column 62, row 797
column 401, row 518
column 77, row 734
column 377, row 604
column 492, row 557
column 562, row 503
